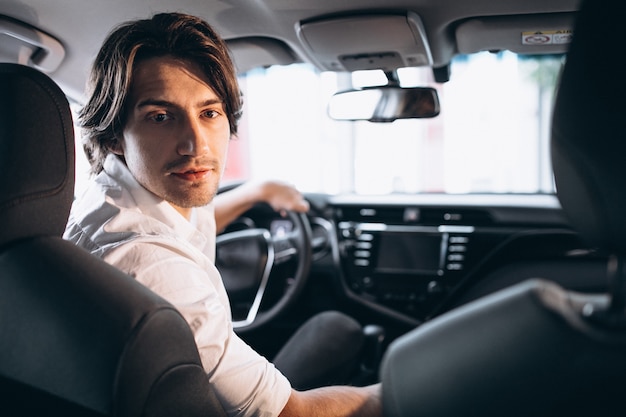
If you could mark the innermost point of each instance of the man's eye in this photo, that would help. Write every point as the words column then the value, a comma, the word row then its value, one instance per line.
column 211, row 114
column 160, row 117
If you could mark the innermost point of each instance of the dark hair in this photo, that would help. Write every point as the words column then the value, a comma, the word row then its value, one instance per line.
column 180, row 35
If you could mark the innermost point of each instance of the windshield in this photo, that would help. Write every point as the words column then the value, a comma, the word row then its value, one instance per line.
column 492, row 135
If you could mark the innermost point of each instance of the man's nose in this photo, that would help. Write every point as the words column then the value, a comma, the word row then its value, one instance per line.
column 193, row 140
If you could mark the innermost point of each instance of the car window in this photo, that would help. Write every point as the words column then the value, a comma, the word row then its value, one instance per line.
column 492, row 108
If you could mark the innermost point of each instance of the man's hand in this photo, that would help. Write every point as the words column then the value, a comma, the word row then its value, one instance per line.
column 335, row 401
column 283, row 197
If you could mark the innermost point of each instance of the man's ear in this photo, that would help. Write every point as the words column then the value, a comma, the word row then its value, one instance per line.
column 115, row 146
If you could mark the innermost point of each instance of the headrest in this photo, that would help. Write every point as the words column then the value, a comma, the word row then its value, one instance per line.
column 36, row 155
column 589, row 130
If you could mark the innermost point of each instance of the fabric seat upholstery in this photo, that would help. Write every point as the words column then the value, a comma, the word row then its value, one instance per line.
column 77, row 336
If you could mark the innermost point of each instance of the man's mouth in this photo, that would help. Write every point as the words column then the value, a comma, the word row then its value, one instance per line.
column 192, row 175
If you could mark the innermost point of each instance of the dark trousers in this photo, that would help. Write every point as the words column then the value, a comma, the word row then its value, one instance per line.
column 324, row 351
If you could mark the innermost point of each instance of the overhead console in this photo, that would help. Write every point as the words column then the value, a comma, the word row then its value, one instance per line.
column 360, row 42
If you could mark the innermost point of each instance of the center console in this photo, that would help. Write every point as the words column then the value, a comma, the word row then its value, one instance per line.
column 413, row 257
column 405, row 267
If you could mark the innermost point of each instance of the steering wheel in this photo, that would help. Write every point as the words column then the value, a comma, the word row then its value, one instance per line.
column 264, row 260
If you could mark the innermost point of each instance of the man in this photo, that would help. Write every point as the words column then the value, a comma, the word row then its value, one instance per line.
column 164, row 104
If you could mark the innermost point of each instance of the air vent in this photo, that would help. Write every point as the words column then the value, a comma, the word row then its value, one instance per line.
column 456, row 216
column 373, row 214
column 416, row 215
column 322, row 231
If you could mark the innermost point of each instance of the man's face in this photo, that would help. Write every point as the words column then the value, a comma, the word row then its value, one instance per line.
column 176, row 134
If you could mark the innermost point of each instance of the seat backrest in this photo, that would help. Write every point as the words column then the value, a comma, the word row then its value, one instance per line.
column 77, row 336
column 535, row 348
column 589, row 130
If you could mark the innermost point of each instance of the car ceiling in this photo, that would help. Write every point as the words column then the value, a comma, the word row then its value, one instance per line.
column 266, row 31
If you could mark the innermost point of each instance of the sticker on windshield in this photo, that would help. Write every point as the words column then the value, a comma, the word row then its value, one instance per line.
column 547, row 37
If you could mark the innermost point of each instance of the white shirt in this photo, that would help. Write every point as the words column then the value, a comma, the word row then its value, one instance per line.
column 131, row 228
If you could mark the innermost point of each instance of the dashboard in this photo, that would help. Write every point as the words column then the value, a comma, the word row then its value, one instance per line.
column 409, row 258
column 414, row 257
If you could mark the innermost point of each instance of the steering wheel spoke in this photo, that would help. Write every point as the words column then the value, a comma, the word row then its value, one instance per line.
column 246, row 277
column 285, row 247
column 253, row 260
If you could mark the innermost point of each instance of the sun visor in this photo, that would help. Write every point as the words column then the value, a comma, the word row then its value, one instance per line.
column 362, row 42
column 23, row 44
column 537, row 34
column 253, row 52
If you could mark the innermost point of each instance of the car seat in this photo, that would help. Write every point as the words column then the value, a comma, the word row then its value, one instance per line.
column 77, row 336
column 535, row 349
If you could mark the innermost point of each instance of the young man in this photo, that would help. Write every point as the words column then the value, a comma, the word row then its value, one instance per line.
column 164, row 105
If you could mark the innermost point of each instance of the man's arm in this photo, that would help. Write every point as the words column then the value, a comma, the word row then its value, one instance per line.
column 280, row 196
column 335, row 401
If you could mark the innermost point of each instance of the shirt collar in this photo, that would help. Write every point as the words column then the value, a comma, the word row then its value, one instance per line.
column 151, row 205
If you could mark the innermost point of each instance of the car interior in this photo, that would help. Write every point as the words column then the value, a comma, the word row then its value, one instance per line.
column 477, row 303
column 545, row 350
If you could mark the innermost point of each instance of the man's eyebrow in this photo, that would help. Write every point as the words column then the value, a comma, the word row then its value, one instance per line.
column 165, row 103
column 154, row 102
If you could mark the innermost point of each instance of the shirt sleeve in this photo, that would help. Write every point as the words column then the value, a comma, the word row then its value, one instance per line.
column 246, row 383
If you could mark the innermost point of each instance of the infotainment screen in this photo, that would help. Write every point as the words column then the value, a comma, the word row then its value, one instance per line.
column 410, row 252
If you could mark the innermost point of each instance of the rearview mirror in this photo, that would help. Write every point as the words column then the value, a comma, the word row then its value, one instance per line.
column 384, row 104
